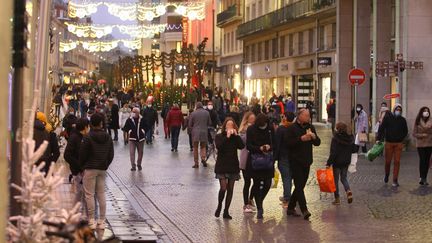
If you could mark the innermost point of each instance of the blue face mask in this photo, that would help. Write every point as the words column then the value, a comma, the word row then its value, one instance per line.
column 397, row 113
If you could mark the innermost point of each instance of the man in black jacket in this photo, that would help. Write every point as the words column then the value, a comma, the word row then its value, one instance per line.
column 150, row 117
column 393, row 130
column 96, row 154
column 71, row 155
column 134, row 126
column 300, row 137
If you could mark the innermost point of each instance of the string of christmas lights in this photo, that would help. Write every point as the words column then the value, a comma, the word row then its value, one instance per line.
column 98, row 31
column 99, row 46
column 138, row 11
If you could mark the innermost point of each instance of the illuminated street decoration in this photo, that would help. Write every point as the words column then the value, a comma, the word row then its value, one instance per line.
column 100, row 46
column 98, row 31
column 143, row 11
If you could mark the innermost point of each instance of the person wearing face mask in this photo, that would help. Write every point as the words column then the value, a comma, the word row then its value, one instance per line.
column 150, row 118
column 422, row 132
column 361, row 126
column 382, row 113
column 260, row 142
column 215, row 121
column 134, row 126
column 300, row 139
column 393, row 130
column 289, row 104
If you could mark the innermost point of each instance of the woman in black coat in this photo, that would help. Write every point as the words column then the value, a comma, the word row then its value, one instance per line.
column 259, row 142
column 114, row 122
column 342, row 146
column 227, row 167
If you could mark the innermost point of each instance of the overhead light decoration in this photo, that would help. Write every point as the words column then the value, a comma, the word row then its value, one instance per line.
column 132, row 44
column 142, row 31
column 123, row 11
column 77, row 10
column 92, row 31
column 99, row 46
column 67, row 46
column 142, row 11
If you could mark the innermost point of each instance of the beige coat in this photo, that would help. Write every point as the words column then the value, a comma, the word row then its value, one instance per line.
column 423, row 133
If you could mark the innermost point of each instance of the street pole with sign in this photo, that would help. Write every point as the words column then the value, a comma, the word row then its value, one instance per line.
column 356, row 76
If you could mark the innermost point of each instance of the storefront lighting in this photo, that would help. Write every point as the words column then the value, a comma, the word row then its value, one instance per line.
column 248, row 72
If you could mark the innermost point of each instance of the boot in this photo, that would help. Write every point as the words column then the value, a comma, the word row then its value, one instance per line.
column 349, row 196
column 336, row 201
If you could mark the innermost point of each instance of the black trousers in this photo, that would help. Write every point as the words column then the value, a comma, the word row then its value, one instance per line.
column 424, row 156
column 260, row 189
column 300, row 175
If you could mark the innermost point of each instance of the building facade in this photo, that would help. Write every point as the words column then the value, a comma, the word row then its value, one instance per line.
column 290, row 48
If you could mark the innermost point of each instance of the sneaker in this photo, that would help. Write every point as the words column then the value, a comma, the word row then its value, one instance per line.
column 101, row 224
column 247, row 209
column 386, row 179
column 395, row 184
column 336, row 201
column 92, row 224
column 349, row 196
column 172, row 150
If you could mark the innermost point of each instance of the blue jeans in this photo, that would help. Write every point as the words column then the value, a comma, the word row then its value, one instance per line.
column 285, row 171
column 149, row 135
column 175, row 133
column 342, row 173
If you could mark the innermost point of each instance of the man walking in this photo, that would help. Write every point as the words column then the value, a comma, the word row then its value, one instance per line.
column 393, row 130
column 199, row 123
column 150, row 117
column 96, row 154
column 134, row 126
column 300, row 137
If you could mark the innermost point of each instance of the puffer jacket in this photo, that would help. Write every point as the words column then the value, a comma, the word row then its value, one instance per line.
column 96, row 151
column 174, row 117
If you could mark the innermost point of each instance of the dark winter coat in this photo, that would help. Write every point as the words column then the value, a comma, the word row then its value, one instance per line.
column 135, row 128
column 150, row 117
column 71, row 153
column 280, row 148
column 214, row 118
column 165, row 111
column 256, row 138
column 227, row 159
column 341, row 148
column 393, row 129
column 174, row 117
column 96, row 151
column 68, row 122
column 114, row 118
column 300, row 153
column 40, row 135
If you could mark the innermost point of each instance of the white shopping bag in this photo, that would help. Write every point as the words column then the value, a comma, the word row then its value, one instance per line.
column 352, row 168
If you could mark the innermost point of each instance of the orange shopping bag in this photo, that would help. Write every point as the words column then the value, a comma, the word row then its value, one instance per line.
column 326, row 180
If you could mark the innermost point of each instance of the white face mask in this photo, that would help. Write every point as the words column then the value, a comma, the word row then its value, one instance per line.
column 397, row 113
column 358, row 109
column 426, row 114
column 205, row 107
column 210, row 107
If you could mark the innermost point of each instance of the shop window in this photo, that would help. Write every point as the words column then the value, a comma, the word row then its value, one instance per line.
column 333, row 46
column 321, row 38
column 311, row 41
column 253, row 51
column 247, row 54
column 275, row 48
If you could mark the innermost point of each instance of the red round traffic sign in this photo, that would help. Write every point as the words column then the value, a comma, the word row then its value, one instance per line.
column 356, row 76
column 391, row 96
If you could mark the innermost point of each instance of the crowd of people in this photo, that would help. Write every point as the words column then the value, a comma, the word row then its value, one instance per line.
column 250, row 139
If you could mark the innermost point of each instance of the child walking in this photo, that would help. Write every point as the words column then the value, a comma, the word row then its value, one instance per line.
column 342, row 145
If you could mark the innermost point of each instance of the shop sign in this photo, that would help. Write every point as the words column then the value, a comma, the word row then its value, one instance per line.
column 324, row 61
column 391, row 96
column 304, row 64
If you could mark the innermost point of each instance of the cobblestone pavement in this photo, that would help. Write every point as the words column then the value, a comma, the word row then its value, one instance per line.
column 178, row 202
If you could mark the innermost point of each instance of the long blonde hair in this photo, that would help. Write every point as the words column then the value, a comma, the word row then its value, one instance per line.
column 244, row 124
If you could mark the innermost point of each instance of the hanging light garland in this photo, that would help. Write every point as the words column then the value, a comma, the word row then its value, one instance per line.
column 139, row 11
column 98, row 31
column 77, row 10
column 92, row 31
column 100, row 46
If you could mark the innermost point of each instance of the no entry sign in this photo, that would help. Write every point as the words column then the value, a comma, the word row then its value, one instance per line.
column 391, row 96
column 356, row 76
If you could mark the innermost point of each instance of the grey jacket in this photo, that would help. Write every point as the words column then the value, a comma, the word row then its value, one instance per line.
column 423, row 133
column 199, row 122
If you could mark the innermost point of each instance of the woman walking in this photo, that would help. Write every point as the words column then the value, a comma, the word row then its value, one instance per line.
column 342, row 145
column 423, row 133
column 125, row 113
column 361, row 127
column 248, row 120
column 227, row 164
column 174, row 121
column 260, row 145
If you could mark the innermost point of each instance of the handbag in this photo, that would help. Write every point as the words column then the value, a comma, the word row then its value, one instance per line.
column 352, row 168
column 326, row 180
column 362, row 137
column 263, row 161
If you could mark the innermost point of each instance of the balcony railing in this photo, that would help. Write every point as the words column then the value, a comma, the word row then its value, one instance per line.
column 284, row 15
column 227, row 16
